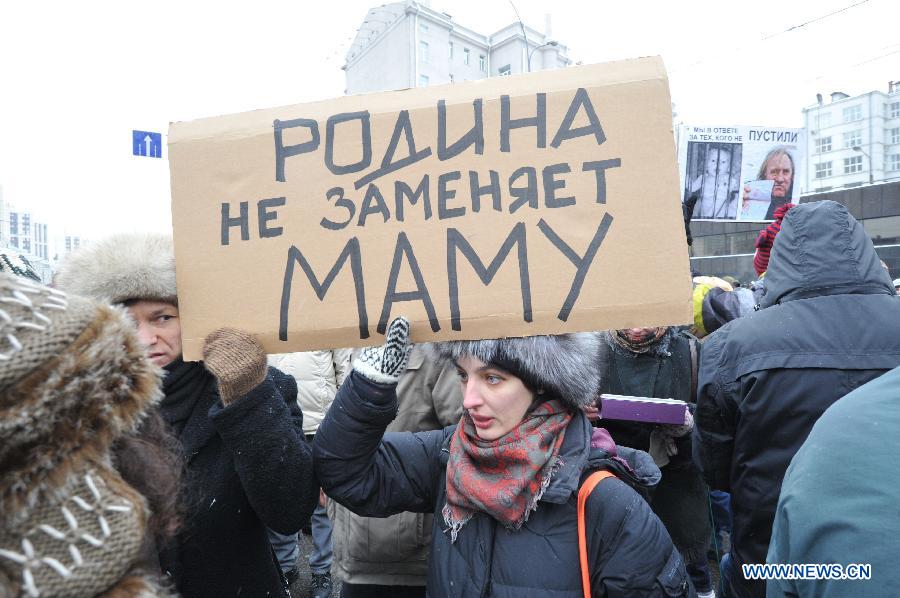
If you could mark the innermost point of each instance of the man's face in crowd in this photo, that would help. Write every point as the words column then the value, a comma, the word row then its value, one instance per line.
column 159, row 329
column 639, row 335
column 779, row 169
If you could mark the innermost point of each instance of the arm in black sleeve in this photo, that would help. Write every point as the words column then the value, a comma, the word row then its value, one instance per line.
column 629, row 550
column 714, row 428
column 372, row 473
column 264, row 432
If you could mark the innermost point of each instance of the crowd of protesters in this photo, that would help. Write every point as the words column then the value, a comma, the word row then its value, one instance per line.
column 464, row 468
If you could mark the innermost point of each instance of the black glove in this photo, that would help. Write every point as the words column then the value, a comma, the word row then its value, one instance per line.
column 384, row 364
column 687, row 209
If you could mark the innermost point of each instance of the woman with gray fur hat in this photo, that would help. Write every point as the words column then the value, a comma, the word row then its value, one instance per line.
column 505, row 480
column 241, row 432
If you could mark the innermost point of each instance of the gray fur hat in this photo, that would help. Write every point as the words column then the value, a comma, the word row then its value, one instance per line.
column 121, row 268
column 567, row 366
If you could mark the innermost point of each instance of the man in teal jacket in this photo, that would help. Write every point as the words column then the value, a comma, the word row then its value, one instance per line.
column 840, row 500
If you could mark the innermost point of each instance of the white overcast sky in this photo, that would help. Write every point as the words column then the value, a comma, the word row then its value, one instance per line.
column 77, row 77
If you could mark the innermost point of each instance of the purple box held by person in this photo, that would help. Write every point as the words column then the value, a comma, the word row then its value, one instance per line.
column 642, row 409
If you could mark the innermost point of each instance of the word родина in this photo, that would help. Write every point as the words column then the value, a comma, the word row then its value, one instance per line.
column 523, row 188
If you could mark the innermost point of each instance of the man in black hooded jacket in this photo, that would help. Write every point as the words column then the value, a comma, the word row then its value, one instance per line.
column 830, row 324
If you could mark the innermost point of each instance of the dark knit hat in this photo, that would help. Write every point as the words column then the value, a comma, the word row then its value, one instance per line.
column 566, row 366
column 122, row 268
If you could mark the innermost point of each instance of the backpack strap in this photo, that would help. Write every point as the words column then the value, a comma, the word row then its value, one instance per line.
column 694, row 367
column 583, row 493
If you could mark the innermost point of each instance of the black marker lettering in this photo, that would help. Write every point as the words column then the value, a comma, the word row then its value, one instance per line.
column 373, row 203
column 582, row 264
column 524, row 195
column 404, row 127
column 445, row 194
column 342, row 202
column 551, row 184
column 474, row 136
column 264, row 215
column 599, row 169
column 539, row 121
column 402, row 190
column 365, row 142
column 243, row 221
column 391, row 296
column 282, row 152
column 455, row 240
column 351, row 250
column 581, row 99
column 493, row 188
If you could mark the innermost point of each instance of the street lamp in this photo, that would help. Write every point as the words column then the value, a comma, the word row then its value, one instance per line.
column 856, row 148
column 535, row 49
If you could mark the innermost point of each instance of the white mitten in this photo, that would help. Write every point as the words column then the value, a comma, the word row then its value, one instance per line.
column 384, row 364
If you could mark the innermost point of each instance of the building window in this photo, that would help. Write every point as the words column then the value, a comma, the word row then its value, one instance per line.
column 423, row 52
column 852, row 164
column 894, row 110
column 423, row 27
column 504, row 71
column 895, row 135
column 451, row 51
column 823, row 169
column 852, row 113
column 894, row 162
column 852, row 138
column 423, row 80
column 13, row 223
column 822, row 120
column 823, row 144
column 26, row 244
column 482, row 63
column 465, row 56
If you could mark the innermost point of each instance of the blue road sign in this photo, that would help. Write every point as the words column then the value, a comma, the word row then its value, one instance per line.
column 146, row 143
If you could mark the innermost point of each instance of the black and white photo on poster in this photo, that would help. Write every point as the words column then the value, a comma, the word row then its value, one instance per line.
column 713, row 175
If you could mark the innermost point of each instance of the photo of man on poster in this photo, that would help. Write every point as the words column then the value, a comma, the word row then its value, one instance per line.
column 777, row 169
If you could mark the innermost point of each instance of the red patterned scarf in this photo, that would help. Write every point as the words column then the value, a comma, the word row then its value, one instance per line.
column 506, row 477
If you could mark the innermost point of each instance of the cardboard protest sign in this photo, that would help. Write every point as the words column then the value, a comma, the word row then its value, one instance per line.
column 740, row 173
column 532, row 204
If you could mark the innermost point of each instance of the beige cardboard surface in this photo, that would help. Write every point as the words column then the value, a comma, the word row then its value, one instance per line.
column 574, row 227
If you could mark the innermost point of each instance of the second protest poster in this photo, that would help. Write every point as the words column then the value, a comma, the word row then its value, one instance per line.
column 741, row 173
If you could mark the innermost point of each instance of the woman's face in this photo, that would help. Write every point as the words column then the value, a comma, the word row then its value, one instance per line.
column 159, row 329
column 495, row 399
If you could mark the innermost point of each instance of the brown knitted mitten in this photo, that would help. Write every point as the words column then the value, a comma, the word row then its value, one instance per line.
column 237, row 361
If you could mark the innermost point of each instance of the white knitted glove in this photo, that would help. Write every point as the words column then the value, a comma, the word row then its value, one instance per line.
column 384, row 364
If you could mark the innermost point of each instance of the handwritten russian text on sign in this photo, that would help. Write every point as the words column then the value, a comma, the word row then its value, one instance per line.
column 525, row 205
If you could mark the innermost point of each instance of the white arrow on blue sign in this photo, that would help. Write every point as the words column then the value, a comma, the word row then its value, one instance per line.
column 146, row 143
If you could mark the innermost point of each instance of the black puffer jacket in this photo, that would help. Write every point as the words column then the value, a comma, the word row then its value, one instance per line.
column 629, row 550
column 831, row 323
column 248, row 467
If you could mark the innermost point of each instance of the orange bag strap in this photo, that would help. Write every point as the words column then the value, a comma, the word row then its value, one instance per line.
column 583, row 493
